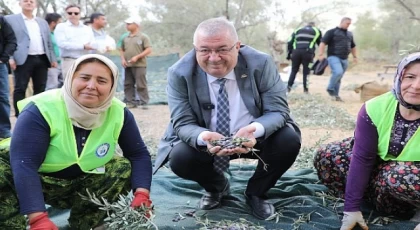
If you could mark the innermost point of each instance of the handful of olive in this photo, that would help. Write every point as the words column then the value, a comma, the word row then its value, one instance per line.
column 230, row 142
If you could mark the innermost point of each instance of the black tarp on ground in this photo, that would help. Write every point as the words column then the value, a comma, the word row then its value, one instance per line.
column 294, row 196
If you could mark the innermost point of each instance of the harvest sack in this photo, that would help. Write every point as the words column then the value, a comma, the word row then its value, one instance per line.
column 371, row 89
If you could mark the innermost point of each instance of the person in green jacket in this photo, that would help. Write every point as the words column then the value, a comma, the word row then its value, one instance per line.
column 381, row 164
column 64, row 144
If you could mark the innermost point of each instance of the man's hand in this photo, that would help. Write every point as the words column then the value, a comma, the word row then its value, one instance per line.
column 88, row 46
column 54, row 64
column 355, row 60
column 124, row 62
column 215, row 150
column 42, row 222
column 12, row 64
column 350, row 220
column 133, row 59
column 247, row 132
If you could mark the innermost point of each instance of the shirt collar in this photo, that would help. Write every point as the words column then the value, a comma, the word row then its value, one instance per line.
column 26, row 18
column 230, row 76
column 71, row 24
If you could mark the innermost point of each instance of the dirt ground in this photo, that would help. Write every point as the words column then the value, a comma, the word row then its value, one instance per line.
column 153, row 121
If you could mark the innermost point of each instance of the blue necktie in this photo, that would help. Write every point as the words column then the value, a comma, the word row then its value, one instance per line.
column 221, row 164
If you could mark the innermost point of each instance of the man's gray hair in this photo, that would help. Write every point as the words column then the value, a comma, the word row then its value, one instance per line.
column 215, row 26
column 345, row 19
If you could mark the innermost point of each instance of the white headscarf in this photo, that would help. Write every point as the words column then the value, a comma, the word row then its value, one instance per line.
column 81, row 116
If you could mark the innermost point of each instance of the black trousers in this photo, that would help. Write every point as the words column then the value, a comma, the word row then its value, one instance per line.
column 301, row 57
column 279, row 151
column 35, row 66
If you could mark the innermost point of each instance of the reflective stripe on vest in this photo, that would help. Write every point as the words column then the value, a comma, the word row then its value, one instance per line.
column 62, row 150
column 311, row 43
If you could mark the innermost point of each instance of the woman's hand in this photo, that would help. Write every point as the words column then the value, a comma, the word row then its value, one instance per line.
column 41, row 222
column 350, row 220
column 141, row 198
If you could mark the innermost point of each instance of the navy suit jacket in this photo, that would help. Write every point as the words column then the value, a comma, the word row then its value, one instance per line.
column 18, row 25
column 260, row 86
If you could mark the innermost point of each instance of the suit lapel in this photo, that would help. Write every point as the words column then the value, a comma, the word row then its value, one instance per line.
column 22, row 23
column 202, row 92
column 244, row 80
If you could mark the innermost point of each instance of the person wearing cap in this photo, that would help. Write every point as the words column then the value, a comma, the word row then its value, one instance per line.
column 134, row 50
column 381, row 164
column 73, row 38
column 301, row 50
column 64, row 143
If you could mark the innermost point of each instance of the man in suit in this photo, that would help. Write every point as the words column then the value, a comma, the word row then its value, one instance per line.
column 7, row 47
column 256, row 108
column 34, row 54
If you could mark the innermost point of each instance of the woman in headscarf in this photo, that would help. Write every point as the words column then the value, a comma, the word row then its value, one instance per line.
column 382, row 166
column 64, row 142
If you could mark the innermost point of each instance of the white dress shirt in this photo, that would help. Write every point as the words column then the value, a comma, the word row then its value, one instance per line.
column 239, row 114
column 36, row 47
column 72, row 38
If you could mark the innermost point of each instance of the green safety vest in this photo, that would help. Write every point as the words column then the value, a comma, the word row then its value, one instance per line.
column 312, row 43
column 62, row 150
column 381, row 111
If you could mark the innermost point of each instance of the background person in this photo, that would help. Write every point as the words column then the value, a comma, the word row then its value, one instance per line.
column 217, row 89
column 340, row 44
column 64, row 142
column 104, row 42
column 55, row 77
column 34, row 54
column 382, row 166
column 73, row 37
column 301, row 50
column 134, row 50
column 7, row 48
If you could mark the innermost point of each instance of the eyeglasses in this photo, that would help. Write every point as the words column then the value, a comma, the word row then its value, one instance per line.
column 220, row 51
column 71, row 13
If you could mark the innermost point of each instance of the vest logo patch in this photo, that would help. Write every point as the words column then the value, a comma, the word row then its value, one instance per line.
column 102, row 150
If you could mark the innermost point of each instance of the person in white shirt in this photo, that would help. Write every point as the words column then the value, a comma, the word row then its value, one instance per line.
column 105, row 43
column 73, row 38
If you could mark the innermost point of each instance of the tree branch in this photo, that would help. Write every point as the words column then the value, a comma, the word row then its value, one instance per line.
column 6, row 10
column 413, row 14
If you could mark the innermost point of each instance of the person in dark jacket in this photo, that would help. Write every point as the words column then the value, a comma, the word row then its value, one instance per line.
column 340, row 44
column 301, row 47
column 7, row 48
